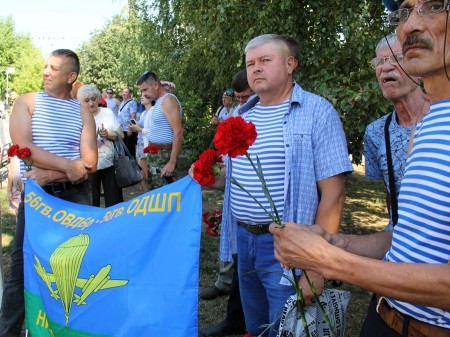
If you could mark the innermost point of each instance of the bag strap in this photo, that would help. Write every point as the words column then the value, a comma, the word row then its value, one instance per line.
column 120, row 147
column 392, row 189
column 123, row 106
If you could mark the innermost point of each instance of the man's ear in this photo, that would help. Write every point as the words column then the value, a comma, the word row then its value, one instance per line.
column 292, row 64
column 72, row 77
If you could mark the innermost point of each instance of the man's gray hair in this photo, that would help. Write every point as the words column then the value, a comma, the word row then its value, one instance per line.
column 289, row 41
column 88, row 90
column 387, row 41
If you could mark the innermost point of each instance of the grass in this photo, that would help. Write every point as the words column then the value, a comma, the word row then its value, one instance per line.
column 365, row 212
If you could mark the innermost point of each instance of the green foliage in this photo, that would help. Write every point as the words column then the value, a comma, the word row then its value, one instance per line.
column 200, row 45
column 17, row 51
column 198, row 132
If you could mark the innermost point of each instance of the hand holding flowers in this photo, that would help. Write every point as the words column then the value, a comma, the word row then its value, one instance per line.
column 233, row 138
column 21, row 153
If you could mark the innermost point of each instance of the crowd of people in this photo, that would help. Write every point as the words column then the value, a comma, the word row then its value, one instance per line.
column 80, row 164
column 302, row 149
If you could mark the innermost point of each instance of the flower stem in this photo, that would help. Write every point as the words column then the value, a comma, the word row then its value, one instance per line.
column 259, row 172
column 316, row 297
column 300, row 302
column 274, row 219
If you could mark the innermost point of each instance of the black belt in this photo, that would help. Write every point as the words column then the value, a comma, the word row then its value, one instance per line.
column 260, row 228
column 54, row 188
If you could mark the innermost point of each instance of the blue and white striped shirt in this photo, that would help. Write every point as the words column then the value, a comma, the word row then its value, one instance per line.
column 422, row 234
column 314, row 147
column 159, row 129
column 56, row 126
column 269, row 147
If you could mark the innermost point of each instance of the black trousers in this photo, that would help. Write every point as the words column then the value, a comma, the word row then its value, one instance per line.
column 235, row 313
column 113, row 194
column 374, row 326
column 130, row 142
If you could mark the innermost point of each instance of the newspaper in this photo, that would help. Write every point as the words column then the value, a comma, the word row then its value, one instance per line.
column 334, row 302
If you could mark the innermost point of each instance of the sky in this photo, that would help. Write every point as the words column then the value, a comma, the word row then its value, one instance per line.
column 55, row 24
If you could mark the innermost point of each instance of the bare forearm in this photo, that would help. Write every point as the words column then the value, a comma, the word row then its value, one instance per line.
column 374, row 246
column 329, row 214
column 331, row 205
column 41, row 158
column 424, row 284
column 310, row 248
column 176, row 146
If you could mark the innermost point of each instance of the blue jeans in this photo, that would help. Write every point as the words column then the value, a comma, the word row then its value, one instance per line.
column 262, row 295
column 12, row 312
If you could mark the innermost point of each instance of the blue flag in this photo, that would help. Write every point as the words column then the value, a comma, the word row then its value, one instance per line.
column 127, row 270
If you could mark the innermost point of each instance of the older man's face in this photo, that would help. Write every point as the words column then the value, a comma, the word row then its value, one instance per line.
column 267, row 68
column 393, row 81
column 422, row 39
column 126, row 94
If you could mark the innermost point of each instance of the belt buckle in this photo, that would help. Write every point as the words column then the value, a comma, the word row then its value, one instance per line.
column 260, row 228
column 379, row 303
column 57, row 188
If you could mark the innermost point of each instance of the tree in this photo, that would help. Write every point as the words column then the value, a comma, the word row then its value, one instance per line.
column 200, row 46
column 18, row 51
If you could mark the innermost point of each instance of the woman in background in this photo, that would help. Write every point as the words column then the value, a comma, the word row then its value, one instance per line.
column 108, row 129
column 142, row 140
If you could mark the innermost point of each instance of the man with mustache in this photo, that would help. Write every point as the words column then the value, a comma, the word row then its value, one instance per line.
column 409, row 267
column 386, row 139
column 410, row 105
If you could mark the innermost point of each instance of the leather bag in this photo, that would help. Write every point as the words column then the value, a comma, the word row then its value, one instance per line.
column 127, row 171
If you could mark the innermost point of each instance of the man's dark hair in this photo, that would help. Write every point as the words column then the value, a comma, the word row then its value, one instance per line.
column 74, row 64
column 240, row 82
column 148, row 76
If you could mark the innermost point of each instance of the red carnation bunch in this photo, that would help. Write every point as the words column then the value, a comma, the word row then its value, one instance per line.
column 21, row 153
column 234, row 136
column 151, row 149
column 13, row 150
column 205, row 168
column 212, row 221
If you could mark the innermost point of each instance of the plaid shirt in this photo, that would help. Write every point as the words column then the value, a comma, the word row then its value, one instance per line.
column 315, row 149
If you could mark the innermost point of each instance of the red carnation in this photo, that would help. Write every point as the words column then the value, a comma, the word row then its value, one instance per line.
column 207, row 219
column 210, row 231
column 205, row 167
column 234, row 136
column 212, row 221
column 217, row 215
column 23, row 153
column 151, row 149
column 12, row 151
